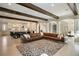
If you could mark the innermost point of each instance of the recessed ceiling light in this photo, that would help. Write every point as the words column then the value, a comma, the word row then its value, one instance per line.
column 52, row 5
column 9, row 4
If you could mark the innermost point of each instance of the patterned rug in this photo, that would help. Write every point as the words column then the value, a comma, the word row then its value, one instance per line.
column 36, row 48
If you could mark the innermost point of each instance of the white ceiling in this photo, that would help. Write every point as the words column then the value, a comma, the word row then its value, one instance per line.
column 23, row 9
column 59, row 9
column 77, row 6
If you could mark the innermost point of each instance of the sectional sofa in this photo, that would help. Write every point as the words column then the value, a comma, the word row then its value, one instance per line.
column 37, row 36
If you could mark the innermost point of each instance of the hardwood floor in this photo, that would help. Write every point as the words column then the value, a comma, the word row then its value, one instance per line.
column 8, row 48
column 70, row 49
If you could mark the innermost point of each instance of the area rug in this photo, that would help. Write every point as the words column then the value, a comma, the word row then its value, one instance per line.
column 36, row 48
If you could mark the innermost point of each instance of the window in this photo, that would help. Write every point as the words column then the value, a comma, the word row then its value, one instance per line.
column 54, row 28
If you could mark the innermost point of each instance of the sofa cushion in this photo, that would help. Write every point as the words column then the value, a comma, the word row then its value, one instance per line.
column 51, row 34
column 26, row 35
column 54, row 38
column 24, row 39
column 34, row 34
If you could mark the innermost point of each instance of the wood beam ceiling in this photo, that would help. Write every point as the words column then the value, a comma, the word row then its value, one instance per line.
column 73, row 8
column 16, row 18
column 20, row 13
column 38, row 9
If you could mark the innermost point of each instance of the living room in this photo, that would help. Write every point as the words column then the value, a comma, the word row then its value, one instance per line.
column 39, row 29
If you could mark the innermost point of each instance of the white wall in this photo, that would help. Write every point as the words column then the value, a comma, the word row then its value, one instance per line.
column 16, row 25
column 47, row 26
column 66, row 25
column 32, row 26
column 3, row 26
column 76, row 26
column 61, row 25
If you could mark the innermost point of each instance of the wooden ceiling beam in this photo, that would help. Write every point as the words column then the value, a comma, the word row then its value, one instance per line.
column 38, row 9
column 6, row 17
column 73, row 8
column 20, row 13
